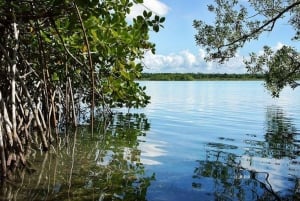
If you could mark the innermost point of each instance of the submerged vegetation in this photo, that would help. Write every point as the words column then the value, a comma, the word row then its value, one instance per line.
column 58, row 56
column 104, row 165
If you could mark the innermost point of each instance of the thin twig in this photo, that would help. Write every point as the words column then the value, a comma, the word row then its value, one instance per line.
column 63, row 43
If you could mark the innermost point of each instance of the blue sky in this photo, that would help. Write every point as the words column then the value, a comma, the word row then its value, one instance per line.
column 176, row 50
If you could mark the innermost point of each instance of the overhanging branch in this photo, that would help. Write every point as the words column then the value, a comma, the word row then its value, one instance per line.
column 263, row 27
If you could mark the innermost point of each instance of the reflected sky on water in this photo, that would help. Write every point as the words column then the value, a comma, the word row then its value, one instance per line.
column 207, row 140
column 225, row 140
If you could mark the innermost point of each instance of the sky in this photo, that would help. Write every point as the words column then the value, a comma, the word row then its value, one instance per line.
column 176, row 49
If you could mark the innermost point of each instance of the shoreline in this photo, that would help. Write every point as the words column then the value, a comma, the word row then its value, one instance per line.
column 199, row 77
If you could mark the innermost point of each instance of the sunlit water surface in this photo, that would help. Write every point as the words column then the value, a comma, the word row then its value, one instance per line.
column 222, row 140
column 206, row 140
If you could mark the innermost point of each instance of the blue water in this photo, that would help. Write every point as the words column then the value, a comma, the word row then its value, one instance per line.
column 197, row 140
column 221, row 140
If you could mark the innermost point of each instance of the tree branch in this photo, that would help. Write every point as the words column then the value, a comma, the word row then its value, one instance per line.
column 63, row 43
column 261, row 28
column 90, row 64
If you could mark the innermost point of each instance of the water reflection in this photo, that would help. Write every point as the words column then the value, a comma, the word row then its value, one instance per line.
column 266, row 170
column 103, row 166
column 281, row 134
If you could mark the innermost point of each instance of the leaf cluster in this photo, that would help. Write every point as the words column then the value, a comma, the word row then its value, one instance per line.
column 52, row 42
column 238, row 22
column 58, row 58
column 280, row 68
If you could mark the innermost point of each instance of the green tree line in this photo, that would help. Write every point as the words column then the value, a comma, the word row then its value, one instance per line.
column 200, row 76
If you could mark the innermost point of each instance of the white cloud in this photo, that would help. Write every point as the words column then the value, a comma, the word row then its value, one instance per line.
column 156, row 6
column 185, row 61
column 202, row 53
column 278, row 46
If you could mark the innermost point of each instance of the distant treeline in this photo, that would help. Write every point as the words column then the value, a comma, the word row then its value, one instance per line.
column 199, row 76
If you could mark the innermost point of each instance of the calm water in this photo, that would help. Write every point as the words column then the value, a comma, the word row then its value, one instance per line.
column 222, row 141
column 214, row 140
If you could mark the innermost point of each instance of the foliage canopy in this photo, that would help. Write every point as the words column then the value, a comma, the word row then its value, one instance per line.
column 238, row 22
column 58, row 56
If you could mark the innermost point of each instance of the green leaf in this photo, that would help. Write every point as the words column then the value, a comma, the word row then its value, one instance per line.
column 150, row 23
column 140, row 18
column 162, row 19
column 45, row 37
column 78, row 71
column 149, row 14
column 155, row 27
column 55, row 77
column 145, row 13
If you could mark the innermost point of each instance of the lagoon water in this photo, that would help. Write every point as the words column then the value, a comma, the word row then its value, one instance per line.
column 197, row 140
column 222, row 140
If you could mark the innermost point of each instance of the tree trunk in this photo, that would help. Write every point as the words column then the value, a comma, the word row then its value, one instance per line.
column 91, row 67
column 2, row 149
column 13, row 80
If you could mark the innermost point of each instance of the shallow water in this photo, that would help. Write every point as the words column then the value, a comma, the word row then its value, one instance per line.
column 206, row 140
